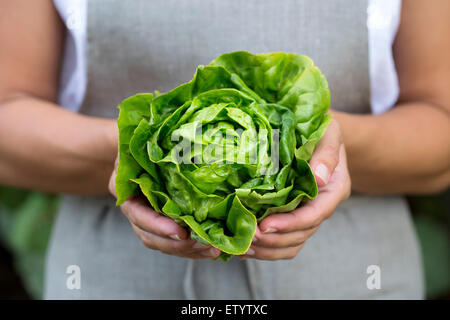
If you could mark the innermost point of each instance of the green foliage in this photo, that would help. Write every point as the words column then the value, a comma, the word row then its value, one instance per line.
column 26, row 219
column 432, row 220
column 248, row 125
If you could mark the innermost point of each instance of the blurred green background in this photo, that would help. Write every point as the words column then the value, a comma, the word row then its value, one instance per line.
column 26, row 219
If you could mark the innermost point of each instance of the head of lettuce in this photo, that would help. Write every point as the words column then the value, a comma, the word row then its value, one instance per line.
column 223, row 151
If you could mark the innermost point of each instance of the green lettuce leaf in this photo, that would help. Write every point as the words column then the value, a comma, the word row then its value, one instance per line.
column 223, row 151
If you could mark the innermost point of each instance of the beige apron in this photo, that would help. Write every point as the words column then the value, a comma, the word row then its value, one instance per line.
column 142, row 46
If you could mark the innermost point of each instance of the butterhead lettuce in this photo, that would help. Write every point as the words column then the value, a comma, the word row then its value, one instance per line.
column 220, row 153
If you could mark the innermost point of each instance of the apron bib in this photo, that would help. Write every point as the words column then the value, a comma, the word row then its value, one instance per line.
column 142, row 46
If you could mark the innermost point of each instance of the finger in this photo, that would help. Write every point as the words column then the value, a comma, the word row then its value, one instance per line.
column 140, row 214
column 180, row 248
column 341, row 181
column 112, row 180
column 188, row 246
column 310, row 215
column 326, row 154
column 261, row 253
column 282, row 240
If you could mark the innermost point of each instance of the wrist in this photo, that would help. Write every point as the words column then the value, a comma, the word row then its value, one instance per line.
column 357, row 131
column 111, row 138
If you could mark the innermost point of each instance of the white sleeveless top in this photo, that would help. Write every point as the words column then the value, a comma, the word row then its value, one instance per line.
column 383, row 18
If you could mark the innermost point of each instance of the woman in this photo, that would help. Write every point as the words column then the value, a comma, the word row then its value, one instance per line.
column 117, row 48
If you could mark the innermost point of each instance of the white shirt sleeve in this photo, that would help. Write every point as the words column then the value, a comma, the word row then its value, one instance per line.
column 383, row 19
column 74, row 70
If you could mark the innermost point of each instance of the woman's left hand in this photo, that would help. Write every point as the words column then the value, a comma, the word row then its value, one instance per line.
column 282, row 235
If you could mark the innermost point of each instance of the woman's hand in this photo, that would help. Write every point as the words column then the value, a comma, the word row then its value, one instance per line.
column 281, row 236
column 159, row 232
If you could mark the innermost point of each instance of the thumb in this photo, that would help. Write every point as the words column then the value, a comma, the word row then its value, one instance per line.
column 112, row 178
column 326, row 155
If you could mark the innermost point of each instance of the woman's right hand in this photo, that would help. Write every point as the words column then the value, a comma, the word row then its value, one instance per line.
column 158, row 232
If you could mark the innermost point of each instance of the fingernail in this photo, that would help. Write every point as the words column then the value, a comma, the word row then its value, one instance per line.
column 322, row 172
column 270, row 230
column 175, row 237
column 213, row 252
column 254, row 239
column 199, row 245
column 250, row 252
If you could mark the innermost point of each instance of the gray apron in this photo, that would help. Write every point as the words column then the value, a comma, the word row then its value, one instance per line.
column 142, row 46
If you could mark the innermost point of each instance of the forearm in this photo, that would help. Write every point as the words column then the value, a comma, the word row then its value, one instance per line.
column 45, row 147
column 404, row 151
